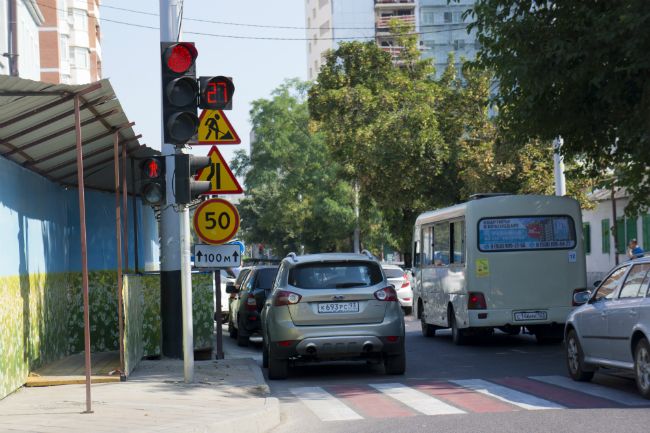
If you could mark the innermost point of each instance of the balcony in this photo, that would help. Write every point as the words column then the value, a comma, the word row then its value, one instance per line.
column 383, row 23
column 394, row 4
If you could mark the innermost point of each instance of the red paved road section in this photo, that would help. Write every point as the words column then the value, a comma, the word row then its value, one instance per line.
column 369, row 402
column 565, row 397
column 463, row 398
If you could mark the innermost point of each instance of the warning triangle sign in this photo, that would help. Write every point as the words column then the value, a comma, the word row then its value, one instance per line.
column 214, row 128
column 222, row 181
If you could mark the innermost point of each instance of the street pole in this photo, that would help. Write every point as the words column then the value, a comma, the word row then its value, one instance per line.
column 186, row 283
column 558, row 166
column 170, row 260
column 357, row 229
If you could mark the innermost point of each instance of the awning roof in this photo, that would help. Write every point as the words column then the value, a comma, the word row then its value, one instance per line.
column 37, row 130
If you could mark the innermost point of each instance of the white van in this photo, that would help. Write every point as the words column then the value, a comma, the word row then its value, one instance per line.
column 499, row 261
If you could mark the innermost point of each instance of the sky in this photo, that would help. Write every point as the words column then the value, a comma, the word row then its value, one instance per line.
column 131, row 56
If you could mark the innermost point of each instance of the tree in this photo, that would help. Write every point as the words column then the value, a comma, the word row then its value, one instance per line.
column 578, row 69
column 294, row 193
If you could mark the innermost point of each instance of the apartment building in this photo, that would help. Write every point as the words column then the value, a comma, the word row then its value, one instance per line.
column 28, row 19
column 70, row 41
column 440, row 26
column 329, row 22
column 443, row 29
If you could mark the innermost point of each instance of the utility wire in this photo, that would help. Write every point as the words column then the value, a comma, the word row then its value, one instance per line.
column 462, row 27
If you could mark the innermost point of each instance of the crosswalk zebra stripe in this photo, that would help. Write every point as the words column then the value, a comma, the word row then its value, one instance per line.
column 324, row 405
column 508, row 395
column 594, row 389
column 417, row 400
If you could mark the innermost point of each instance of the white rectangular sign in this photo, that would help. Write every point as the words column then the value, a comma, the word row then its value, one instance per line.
column 216, row 256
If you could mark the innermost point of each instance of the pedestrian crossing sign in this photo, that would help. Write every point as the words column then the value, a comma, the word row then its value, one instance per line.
column 221, row 178
column 214, row 128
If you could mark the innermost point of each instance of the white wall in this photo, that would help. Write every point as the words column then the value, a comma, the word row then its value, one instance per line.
column 598, row 263
column 29, row 59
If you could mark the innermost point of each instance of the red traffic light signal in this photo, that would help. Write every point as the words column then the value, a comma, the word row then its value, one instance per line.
column 216, row 93
column 180, row 91
column 152, row 181
column 179, row 57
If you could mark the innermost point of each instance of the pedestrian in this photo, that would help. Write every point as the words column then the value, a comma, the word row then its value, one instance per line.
column 634, row 250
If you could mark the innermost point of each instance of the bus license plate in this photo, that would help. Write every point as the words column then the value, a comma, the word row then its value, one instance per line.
column 338, row 307
column 530, row 315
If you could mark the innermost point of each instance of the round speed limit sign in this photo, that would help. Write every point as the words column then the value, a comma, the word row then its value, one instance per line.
column 216, row 221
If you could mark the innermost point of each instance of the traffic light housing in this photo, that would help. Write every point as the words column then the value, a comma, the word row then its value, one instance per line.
column 180, row 91
column 186, row 188
column 215, row 93
column 152, row 180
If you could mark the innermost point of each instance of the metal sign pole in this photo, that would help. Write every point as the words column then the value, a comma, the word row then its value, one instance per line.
column 217, row 285
column 186, row 295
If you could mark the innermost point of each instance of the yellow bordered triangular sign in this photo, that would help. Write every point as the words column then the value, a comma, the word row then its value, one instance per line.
column 214, row 128
column 219, row 175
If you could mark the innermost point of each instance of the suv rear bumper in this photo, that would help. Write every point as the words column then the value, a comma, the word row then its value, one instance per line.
column 338, row 341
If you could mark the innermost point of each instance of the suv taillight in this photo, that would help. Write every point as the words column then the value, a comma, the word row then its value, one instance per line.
column 406, row 282
column 284, row 297
column 251, row 303
column 386, row 294
column 476, row 301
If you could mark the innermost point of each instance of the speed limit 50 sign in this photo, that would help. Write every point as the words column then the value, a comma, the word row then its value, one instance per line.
column 216, row 221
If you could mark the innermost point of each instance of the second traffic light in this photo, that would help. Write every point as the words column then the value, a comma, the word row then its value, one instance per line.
column 152, row 181
column 186, row 188
column 180, row 91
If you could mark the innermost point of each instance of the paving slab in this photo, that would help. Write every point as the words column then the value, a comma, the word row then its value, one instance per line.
column 227, row 395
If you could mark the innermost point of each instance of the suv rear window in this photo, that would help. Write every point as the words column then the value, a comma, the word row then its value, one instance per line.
column 393, row 273
column 338, row 275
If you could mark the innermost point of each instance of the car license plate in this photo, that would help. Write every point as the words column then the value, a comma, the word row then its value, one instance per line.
column 530, row 315
column 338, row 307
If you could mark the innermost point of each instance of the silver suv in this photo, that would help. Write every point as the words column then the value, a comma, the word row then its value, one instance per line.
column 332, row 306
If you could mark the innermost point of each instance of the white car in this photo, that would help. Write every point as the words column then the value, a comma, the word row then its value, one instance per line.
column 227, row 277
column 400, row 279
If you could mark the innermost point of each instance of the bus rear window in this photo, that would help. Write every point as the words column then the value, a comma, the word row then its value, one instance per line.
column 526, row 233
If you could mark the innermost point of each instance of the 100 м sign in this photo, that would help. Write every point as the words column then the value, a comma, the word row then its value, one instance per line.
column 216, row 221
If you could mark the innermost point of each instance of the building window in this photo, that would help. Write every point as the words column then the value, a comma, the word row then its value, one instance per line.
column 459, row 44
column 80, row 20
column 604, row 228
column 64, row 49
column 309, row 47
column 427, row 18
column 313, row 13
column 324, row 28
column 81, row 58
column 452, row 17
column 322, row 3
column 625, row 232
column 586, row 236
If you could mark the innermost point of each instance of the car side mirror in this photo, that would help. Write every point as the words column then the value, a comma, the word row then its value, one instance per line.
column 597, row 283
column 230, row 288
column 580, row 298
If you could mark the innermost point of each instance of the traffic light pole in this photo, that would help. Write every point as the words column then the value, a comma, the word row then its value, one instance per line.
column 170, row 260
column 186, row 284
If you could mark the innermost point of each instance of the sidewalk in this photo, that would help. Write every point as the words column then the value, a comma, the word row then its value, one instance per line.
column 227, row 396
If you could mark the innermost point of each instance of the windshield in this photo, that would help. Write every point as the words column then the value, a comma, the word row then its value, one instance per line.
column 338, row 275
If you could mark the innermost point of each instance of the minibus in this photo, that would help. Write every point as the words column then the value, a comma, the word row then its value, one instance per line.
column 510, row 262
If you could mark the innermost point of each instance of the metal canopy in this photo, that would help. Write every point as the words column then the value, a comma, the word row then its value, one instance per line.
column 37, row 130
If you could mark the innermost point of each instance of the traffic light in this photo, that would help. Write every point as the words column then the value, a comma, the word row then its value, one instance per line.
column 152, row 180
column 186, row 188
column 180, row 91
column 215, row 93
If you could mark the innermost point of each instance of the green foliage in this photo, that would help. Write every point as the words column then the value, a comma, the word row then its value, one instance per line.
column 295, row 192
column 577, row 69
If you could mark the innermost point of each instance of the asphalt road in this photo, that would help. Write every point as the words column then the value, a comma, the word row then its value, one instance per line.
column 500, row 384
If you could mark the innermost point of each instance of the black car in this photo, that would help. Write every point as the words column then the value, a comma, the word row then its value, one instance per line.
column 245, row 308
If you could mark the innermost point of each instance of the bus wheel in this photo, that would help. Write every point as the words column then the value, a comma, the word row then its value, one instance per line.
column 427, row 330
column 458, row 336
